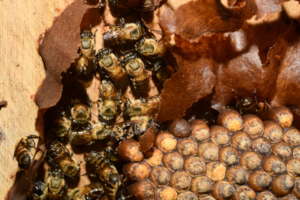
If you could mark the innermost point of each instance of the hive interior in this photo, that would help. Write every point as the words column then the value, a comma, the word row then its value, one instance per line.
column 188, row 160
column 242, row 157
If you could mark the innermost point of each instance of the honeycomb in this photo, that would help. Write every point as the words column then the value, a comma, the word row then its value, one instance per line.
column 241, row 157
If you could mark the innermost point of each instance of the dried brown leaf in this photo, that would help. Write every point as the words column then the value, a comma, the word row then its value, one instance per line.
column 167, row 19
column 266, row 35
column 209, row 45
column 248, row 75
column 199, row 27
column 288, row 81
column 204, row 16
column 194, row 80
column 247, row 57
column 58, row 50
column 196, row 18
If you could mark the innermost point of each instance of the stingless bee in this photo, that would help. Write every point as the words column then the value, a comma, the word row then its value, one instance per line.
column 123, row 34
column 93, row 191
column 80, row 114
column 122, row 131
column 139, row 76
column 126, row 7
column 87, row 44
column 53, row 186
column 109, row 104
column 108, row 90
column 141, row 123
column 141, row 113
column 97, row 131
column 61, row 125
column 250, row 104
column 112, row 180
column 108, row 110
column 139, row 107
column 101, row 162
column 108, row 61
column 101, row 131
column 82, row 135
column 161, row 72
column 94, row 159
column 25, row 151
column 59, row 155
column 56, row 184
column 83, row 70
column 150, row 47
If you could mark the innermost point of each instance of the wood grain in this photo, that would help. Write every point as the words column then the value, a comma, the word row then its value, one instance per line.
column 22, row 72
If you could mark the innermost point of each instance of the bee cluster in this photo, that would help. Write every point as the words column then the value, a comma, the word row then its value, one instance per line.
column 242, row 157
column 129, row 66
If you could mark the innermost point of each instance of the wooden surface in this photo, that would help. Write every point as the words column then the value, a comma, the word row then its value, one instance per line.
column 22, row 72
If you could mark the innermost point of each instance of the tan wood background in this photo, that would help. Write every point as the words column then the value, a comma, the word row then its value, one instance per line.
column 21, row 73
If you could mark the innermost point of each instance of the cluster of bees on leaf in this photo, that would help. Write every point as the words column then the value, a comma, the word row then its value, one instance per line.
column 131, row 59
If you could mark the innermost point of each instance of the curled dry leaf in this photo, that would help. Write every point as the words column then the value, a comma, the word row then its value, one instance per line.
column 199, row 17
column 199, row 36
column 205, row 16
column 265, row 36
column 208, row 45
column 247, row 75
column 288, row 81
column 193, row 80
column 255, row 70
column 247, row 56
column 58, row 49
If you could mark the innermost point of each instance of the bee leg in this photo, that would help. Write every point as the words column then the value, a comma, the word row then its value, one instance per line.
column 38, row 150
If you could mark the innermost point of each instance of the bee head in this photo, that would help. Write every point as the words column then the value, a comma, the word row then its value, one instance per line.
column 80, row 113
column 70, row 168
